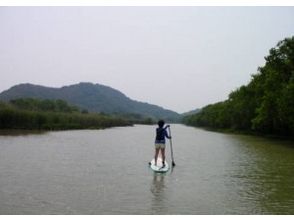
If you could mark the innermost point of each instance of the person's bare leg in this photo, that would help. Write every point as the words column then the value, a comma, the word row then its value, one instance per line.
column 156, row 155
column 163, row 156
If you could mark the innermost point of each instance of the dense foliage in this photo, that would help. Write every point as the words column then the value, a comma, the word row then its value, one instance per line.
column 265, row 105
column 52, row 115
column 43, row 105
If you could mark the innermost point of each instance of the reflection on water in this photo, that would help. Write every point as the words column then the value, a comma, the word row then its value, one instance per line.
column 263, row 174
column 16, row 132
column 159, row 194
column 157, row 187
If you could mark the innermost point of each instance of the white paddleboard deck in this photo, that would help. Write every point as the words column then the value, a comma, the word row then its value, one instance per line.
column 159, row 168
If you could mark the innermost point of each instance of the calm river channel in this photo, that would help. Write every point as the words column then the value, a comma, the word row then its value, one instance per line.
column 106, row 172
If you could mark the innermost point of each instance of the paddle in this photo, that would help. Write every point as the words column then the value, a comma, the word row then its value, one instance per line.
column 171, row 148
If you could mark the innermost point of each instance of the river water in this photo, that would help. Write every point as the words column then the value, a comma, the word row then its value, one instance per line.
column 106, row 172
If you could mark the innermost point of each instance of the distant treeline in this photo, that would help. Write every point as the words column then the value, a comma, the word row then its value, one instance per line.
column 136, row 118
column 52, row 115
column 31, row 104
column 264, row 106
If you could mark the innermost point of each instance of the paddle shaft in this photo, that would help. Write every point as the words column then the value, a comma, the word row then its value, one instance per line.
column 171, row 147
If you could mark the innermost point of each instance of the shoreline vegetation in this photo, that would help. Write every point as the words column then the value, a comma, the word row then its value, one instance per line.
column 263, row 107
column 246, row 133
column 45, row 115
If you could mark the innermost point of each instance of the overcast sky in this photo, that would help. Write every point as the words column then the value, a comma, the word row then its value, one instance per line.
column 180, row 58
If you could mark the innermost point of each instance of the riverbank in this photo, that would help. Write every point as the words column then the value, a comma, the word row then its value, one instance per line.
column 53, row 115
column 249, row 133
column 28, row 120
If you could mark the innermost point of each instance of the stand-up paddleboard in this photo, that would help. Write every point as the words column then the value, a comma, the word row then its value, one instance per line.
column 159, row 168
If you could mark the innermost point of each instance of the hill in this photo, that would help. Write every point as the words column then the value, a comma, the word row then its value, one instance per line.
column 91, row 97
column 192, row 112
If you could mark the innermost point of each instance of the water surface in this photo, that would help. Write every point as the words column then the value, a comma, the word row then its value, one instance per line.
column 106, row 172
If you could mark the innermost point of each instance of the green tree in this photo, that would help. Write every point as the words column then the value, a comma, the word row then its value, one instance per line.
column 265, row 105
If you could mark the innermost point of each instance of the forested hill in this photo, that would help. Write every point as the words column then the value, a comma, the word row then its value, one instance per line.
column 91, row 97
column 265, row 105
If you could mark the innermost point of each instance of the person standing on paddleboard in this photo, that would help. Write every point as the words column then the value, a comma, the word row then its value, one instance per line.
column 161, row 134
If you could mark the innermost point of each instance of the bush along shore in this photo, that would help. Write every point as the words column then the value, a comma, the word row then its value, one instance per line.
column 35, row 114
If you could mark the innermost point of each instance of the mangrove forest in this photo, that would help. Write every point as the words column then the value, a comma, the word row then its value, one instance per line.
column 37, row 114
column 264, row 106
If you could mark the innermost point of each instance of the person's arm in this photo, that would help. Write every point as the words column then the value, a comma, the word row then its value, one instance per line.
column 167, row 126
column 165, row 132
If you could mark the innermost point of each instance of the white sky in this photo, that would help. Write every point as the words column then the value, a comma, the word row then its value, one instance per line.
column 180, row 58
